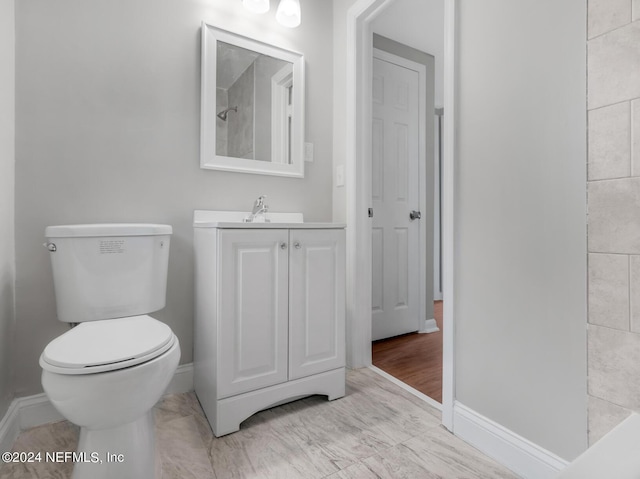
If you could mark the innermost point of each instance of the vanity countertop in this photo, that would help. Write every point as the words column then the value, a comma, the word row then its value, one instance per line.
column 234, row 220
column 239, row 225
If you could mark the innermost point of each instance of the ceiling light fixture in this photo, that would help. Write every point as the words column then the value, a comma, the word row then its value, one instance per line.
column 288, row 13
column 256, row 6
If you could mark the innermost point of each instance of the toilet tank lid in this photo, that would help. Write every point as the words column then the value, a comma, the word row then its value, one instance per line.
column 107, row 229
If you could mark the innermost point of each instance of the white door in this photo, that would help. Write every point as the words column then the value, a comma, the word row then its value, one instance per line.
column 316, row 301
column 395, row 193
column 253, row 310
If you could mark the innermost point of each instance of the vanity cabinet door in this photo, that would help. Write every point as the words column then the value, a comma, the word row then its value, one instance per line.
column 316, row 301
column 253, row 310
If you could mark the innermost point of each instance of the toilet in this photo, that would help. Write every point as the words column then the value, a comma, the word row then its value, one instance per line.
column 108, row 371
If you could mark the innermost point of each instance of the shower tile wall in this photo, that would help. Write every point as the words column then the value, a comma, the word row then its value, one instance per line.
column 614, row 213
column 240, row 124
column 222, row 103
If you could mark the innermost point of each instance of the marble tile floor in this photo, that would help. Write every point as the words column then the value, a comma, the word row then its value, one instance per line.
column 377, row 431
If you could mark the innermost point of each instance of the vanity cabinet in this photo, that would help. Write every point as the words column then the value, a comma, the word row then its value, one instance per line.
column 270, row 318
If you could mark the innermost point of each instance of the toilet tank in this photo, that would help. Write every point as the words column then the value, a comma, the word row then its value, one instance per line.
column 105, row 271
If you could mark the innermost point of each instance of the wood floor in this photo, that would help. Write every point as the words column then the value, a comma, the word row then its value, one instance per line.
column 415, row 359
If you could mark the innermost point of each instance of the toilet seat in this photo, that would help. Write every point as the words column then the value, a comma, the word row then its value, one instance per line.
column 107, row 345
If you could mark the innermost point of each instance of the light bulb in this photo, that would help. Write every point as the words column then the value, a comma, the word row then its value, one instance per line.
column 288, row 13
column 256, row 6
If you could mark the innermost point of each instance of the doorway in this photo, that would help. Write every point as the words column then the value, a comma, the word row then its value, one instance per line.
column 358, row 176
column 407, row 343
column 401, row 226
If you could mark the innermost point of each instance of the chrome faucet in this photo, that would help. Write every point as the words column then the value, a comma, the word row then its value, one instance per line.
column 259, row 208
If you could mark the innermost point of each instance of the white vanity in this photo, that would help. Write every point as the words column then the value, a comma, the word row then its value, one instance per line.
column 270, row 313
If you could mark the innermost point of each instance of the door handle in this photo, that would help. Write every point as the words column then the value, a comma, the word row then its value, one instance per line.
column 415, row 215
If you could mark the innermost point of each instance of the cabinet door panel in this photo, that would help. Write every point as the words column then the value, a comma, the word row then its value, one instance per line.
column 316, row 301
column 253, row 344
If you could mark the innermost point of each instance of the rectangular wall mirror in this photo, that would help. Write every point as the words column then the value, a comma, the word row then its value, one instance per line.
column 252, row 106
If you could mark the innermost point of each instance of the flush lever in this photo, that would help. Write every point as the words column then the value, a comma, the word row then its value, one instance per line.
column 415, row 215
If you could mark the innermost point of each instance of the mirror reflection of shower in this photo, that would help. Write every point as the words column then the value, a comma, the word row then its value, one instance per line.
column 223, row 114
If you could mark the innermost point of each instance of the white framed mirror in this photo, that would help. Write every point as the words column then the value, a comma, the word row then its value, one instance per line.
column 252, row 106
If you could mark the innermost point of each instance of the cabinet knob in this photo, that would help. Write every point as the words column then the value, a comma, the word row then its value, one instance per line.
column 283, row 245
column 297, row 245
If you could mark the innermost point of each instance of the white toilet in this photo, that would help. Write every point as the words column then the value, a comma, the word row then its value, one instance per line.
column 107, row 373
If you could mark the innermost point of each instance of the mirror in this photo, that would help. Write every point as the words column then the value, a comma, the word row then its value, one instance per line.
column 251, row 106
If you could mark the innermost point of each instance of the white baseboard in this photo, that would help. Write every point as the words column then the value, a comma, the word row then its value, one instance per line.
column 36, row 410
column 31, row 411
column 23, row 413
column 9, row 427
column 523, row 457
column 182, row 381
column 429, row 326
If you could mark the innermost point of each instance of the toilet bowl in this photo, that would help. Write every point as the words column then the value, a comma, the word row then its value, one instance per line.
column 106, row 374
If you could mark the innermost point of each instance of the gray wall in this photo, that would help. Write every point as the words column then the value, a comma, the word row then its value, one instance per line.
column 520, row 252
column 340, row 9
column 7, row 161
column 107, row 129
column 614, row 213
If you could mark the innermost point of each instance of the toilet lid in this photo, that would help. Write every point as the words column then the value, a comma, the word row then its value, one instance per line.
column 99, row 346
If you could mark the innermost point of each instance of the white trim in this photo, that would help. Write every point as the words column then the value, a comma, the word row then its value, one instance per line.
column 36, row 410
column 31, row 411
column 358, row 298
column 437, row 225
column 209, row 159
column 429, row 326
column 430, row 401
column 281, row 113
column 448, row 238
column 24, row 413
column 358, row 193
column 182, row 381
column 522, row 456
column 9, row 426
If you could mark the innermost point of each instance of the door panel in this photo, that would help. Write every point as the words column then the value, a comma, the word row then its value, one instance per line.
column 377, row 157
column 253, row 310
column 401, row 157
column 377, row 271
column 316, row 301
column 395, row 192
column 401, row 246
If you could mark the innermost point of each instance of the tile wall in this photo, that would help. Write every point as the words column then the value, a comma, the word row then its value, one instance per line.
column 614, row 212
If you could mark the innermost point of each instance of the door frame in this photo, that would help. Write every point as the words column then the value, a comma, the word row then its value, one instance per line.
column 421, row 69
column 358, row 189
